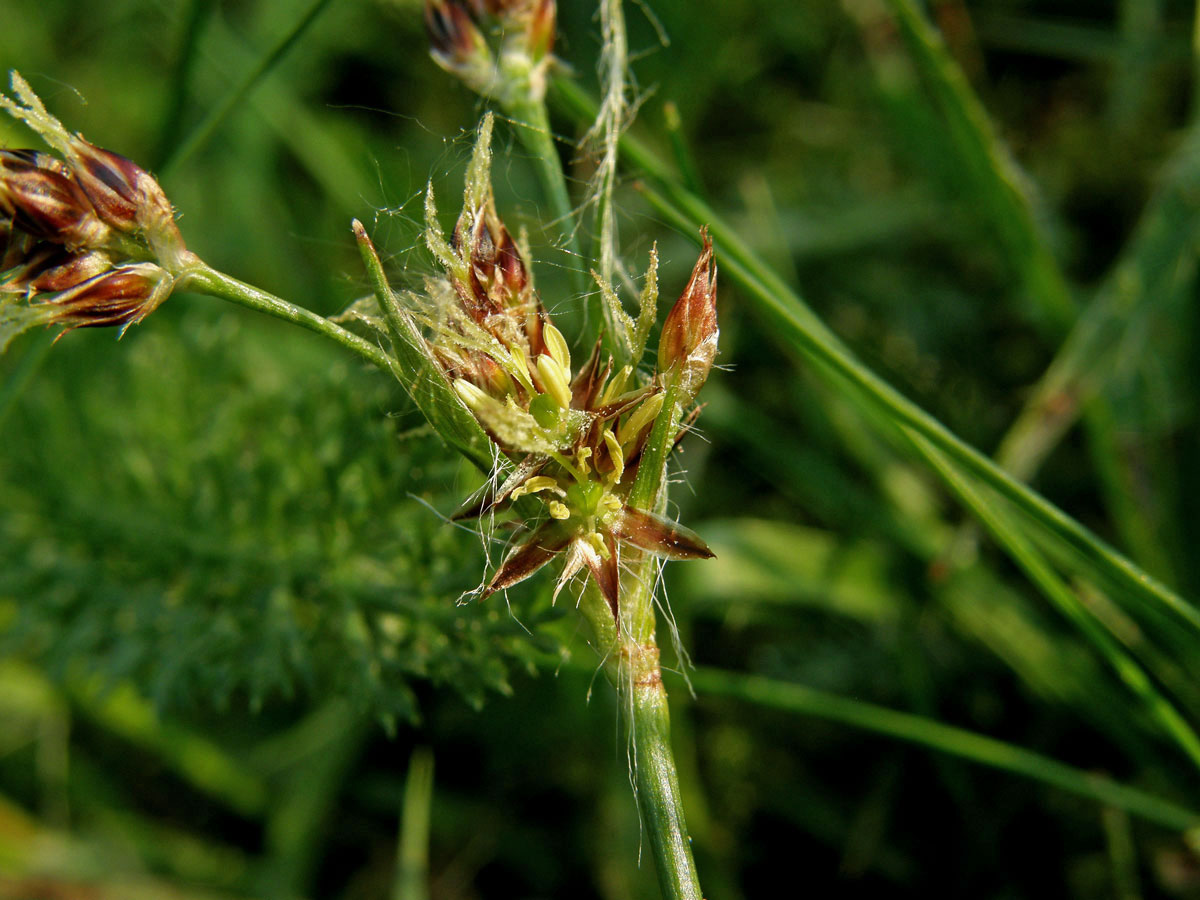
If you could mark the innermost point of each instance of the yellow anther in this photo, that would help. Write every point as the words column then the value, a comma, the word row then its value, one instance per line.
column 594, row 538
column 555, row 380
column 615, row 386
column 558, row 510
column 641, row 417
column 520, row 365
column 536, row 484
column 556, row 345
column 617, row 454
column 582, row 455
column 471, row 395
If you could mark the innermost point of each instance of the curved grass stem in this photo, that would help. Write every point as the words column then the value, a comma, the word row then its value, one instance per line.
column 978, row 748
column 658, row 790
column 203, row 279
column 801, row 328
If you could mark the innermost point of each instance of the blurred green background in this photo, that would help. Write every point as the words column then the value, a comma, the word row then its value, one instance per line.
column 227, row 617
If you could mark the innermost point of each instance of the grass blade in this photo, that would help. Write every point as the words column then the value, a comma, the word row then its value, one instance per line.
column 1043, row 576
column 796, row 698
column 412, row 852
column 418, row 372
column 799, row 327
column 982, row 166
column 205, row 130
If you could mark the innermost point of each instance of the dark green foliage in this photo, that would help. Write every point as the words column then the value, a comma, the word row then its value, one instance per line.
column 229, row 516
column 226, row 525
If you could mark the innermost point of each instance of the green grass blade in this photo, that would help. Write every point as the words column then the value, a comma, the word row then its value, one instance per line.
column 418, row 372
column 982, row 166
column 1147, row 276
column 796, row 324
column 193, row 756
column 412, row 852
column 199, row 13
column 801, row 328
column 205, row 130
column 1043, row 576
column 799, row 699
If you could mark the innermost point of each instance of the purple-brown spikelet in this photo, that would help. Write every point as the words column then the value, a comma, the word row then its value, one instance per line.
column 88, row 238
column 39, row 197
column 119, row 297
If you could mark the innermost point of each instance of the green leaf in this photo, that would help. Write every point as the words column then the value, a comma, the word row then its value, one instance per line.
column 420, row 374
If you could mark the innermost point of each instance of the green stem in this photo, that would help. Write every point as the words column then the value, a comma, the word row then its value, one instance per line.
column 206, row 129
column 412, row 851
column 658, row 789
column 533, row 130
column 632, row 664
column 203, row 279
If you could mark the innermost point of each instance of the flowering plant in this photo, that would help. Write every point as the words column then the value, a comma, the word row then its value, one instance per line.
column 577, row 451
column 577, row 438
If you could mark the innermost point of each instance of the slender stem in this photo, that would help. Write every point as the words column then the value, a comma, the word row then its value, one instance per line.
column 658, row 789
column 632, row 665
column 203, row 279
column 533, row 130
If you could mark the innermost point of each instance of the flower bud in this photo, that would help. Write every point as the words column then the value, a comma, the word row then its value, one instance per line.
column 688, row 344
column 49, row 268
column 127, row 197
column 120, row 297
column 39, row 197
column 493, row 283
column 92, row 199
column 507, row 68
column 457, row 44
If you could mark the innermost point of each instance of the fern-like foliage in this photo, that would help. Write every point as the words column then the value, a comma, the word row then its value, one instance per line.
column 224, row 522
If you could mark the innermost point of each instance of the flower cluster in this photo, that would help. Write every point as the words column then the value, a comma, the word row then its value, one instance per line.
column 88, row 239
column 494, row 45
column 576, row 434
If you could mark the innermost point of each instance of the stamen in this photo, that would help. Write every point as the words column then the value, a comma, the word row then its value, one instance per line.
column 640, row 418
column 536, row 484
column 617, row 454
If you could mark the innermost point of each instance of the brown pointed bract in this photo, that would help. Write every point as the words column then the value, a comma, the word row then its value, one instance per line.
column 659, row 536
column 535, row 552
column 688, row 344
column 606, row 572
